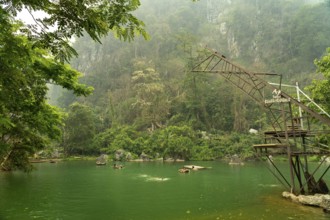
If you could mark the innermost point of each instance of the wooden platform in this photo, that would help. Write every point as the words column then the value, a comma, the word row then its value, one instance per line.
column 291, row 133
column 258, row 146
column 310, row 153
column 264, row 148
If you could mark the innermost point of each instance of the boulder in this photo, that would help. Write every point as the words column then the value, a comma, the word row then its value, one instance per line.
column 236, row 160
column 102, row 159
column 120, row 154
column 129, row 156
column 312, row 200
column 145, row 157
column 319, row 200
column 325, row 203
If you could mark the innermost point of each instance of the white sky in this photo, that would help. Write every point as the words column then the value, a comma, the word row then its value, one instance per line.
column 26, row 17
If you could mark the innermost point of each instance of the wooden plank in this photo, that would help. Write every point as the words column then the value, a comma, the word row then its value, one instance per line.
column 270, row 145
column 291, row 133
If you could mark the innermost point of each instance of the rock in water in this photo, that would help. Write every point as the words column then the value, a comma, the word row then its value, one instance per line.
column 320, row 200
column 102, row 160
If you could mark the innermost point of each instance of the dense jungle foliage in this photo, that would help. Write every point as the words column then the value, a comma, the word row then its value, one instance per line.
column 33, row 55
column 146, row 101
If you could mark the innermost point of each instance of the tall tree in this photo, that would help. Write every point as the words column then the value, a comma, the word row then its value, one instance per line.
column 32, row 56
column 321, row 87
column 151, row 99
column 80, row 128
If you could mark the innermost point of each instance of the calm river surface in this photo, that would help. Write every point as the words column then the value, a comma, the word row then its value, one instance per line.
column 150, row 190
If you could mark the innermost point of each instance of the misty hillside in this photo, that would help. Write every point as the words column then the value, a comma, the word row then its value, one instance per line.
column 277, row 36
column 148, row 85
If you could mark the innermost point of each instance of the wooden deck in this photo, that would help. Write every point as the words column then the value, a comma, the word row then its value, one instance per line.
column 270, row 148
column 282, row 149
column 257, row 146
column 291, row 133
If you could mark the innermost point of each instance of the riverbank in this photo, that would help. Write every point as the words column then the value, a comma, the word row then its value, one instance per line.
column 93, row 158
column 317, row 200
column 45, row 160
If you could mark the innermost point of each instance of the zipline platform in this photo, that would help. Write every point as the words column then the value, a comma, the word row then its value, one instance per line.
column 265, row 146
column 290, row 133
column 293, row 118
column 270, row 149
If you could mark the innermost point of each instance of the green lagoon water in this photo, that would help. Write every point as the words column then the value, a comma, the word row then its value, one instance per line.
column 150, row 190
